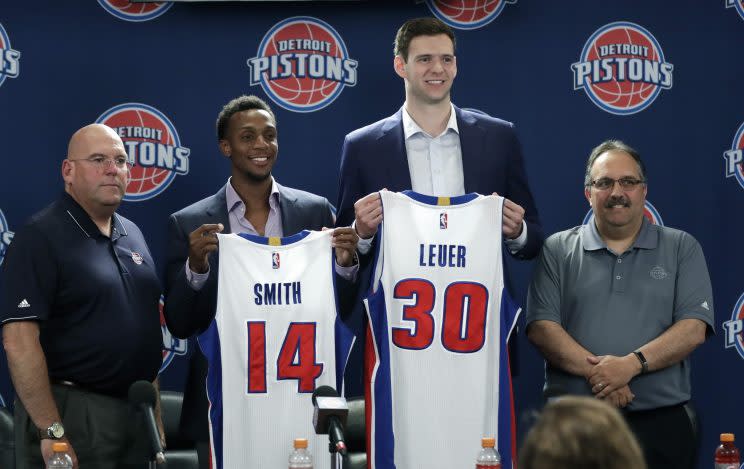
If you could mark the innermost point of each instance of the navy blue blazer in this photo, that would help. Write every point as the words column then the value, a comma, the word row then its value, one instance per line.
column 374, row 157
column 188, row 312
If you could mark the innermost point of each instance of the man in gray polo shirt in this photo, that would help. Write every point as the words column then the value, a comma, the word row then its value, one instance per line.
column 616, row 306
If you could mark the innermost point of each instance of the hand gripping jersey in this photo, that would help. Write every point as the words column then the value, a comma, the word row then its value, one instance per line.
column 439, row 320
column 272, row 342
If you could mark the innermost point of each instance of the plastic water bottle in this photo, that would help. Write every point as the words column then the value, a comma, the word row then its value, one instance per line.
column 488, row 458
column 300, row 458
column 61, row 458
column 727, row 455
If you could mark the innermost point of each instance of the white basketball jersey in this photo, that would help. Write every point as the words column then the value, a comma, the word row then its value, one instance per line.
column 271, row 343
column 439, row 319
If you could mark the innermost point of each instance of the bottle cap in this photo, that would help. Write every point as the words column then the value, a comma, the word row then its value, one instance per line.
column 59, row 447
column 488, row 442
column 300, row 443
column 727, row 437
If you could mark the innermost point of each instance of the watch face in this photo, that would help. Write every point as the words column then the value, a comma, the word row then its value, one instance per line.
column 56, row 430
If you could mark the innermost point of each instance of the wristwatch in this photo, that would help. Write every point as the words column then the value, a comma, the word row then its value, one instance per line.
column 55, row 432
column 642, row 359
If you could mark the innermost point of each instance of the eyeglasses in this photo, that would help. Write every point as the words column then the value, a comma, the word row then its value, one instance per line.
column 626, row 184
column 102, row 163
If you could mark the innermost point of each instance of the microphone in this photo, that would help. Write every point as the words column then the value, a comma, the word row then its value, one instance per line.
column 329, row 417
column 142, row 395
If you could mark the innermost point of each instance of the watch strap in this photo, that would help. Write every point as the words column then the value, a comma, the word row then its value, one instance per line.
column 642, row 359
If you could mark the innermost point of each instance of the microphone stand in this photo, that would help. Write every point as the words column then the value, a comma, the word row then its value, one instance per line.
column 336, row 458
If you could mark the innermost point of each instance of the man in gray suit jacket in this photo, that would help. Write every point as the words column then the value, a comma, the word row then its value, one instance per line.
column 251, row 202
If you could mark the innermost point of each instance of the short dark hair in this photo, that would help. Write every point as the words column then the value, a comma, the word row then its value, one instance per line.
column 239, row 104
column 427, row 26
column 612, row 145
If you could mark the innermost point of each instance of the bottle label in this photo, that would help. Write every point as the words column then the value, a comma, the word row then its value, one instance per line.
column 498, row 466
column 727, row 465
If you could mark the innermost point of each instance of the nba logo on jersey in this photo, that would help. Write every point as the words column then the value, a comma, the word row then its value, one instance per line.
column 622, row 68
column 172, row 346
column 443, row 221
column 735, row 157
column 734, row 328
column 467, row 14
column 6, row 236
column 8, row 57
column 137, row 12
column 153, row 147
column 275, row 261
column 302, row 64
column 738, row 4
column 649, row 211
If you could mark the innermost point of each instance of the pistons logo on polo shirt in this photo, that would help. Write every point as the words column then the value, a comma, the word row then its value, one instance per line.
column 467, row 14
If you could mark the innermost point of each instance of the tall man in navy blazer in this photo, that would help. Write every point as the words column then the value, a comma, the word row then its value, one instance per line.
column 435, row 148
column 251, row 202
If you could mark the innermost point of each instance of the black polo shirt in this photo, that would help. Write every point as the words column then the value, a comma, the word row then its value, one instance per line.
column 95, row 297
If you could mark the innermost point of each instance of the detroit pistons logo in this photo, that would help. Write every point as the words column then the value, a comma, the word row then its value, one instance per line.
column 6, row 236
column 302, row 64
column 734, row 328
column 9, row 58
column 735, row 157
column 649, row 211
column 137, row 12
column 738, row 4
column 467, row 14
column 622, row 68
column 172, row 346
column 153, row 147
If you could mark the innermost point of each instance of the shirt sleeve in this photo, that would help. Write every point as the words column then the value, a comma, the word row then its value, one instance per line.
column 544, row 293
column 195, row 279
column 29, row 277
column 519, row 242
column 694, row 295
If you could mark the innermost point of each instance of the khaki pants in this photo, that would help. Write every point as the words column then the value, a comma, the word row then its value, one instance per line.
column 105, row 432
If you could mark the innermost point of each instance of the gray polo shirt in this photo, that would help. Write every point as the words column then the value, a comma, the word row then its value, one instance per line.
column 614, row 304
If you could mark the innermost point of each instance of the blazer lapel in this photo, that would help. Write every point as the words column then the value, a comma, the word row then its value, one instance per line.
column 292, row 221
column 217, row 210
column 392, row 151
column 472, row 145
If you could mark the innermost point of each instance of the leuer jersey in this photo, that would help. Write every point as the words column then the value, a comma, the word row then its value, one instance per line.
column 272, row 342
column 439, row 320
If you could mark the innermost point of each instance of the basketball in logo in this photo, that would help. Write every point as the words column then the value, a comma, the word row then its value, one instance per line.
column 153, row 147
column 9, row 58
column 622, row 68
column 172, row 346
column 733, row 329
column 141, row 11
column 735, row 157
column 467, row 14
column 649, row 211
column 6, row 236
column 738, row 4
column 302, row 64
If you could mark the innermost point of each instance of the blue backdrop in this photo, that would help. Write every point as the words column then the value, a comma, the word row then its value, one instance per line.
column 665, row 77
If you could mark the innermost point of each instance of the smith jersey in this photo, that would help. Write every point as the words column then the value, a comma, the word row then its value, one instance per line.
column 439, row 321
column 271, row 343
